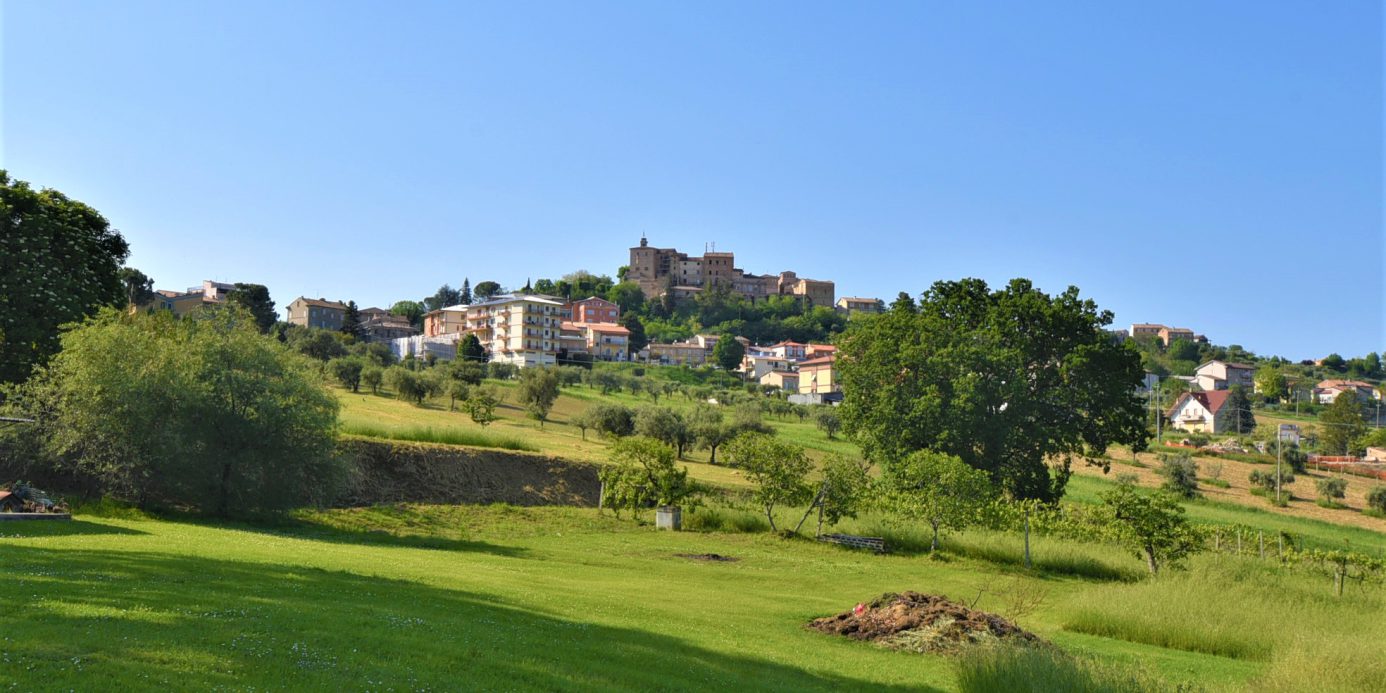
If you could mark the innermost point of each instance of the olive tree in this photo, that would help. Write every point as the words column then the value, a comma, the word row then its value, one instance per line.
column 935, row 488
column 778, row 469
column 1151, row 526
column 644, row 474
column 538, row 391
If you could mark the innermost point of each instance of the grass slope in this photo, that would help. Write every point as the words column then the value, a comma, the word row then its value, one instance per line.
column 505, row 598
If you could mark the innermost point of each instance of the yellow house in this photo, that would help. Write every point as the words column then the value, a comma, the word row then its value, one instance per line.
column 784, row 380
column 819, row 376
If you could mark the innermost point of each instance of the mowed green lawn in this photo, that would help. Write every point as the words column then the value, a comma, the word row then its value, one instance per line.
column 418, row 598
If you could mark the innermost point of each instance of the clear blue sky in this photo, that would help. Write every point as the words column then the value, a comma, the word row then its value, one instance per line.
column 1210, row 165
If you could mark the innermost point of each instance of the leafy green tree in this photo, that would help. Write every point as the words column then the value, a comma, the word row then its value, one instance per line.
column 936, row 488
column 584, row 420
column 1342, row 424
column 320, row 344
column 139, row 288
column 351, row 320
column 1005, row 380
column 202, row 412
column 627, row 296
column 709, row 431
column 538, row 391
column 1183, row 350
column 464, row 296
column 644, row 475
column 828, row 421
column 457, row 390
column 469, row 349
column 59, row 262
column 1334, row 362
column 778, row 469
column 845, row 489
column 1151, row 526
column 1180, row 473
column 372, row 377
column 1331, row 490
column 613, row 420
column 256, row 299
column 1376, row 499
column 1243, row 418
column 469, row 372
column 348, row 371
column 666, row 426
column 1271, row 382
column 481, row 405
column 407, row 384
column 501, row 371
column 728, row 352
column 485, row 290
column 412, row 310
column 637, row 339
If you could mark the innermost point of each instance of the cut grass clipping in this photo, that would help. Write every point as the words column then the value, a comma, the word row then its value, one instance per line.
column 443, row 436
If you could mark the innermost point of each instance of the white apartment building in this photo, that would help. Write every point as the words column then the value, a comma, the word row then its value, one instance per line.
column 519, row 329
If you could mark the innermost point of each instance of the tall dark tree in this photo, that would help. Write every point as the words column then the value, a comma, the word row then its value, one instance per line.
column 351, row 320
column 728, row 352
column 256, row 299
column 465, row 295
column 637, row 339
column 445, row 296
column 469, row 349
column 1005, row 380
column 139, row 288
column 59, row 262
column 1341, row 425
column 1243, row 419
column 485, row 290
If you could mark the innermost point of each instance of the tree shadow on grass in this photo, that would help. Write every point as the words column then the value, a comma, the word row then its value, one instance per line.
column 59, row 528
column 294, row 528
column 156, row 620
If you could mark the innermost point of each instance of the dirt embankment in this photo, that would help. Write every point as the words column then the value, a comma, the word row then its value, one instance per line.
column 394, row 472
column 921, row 623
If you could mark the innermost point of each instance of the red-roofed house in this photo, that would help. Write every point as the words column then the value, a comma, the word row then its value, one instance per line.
column 818, row 376
column 593, row 309
column 816, row 350
column 792, row 351
column 1202, row 411
column 1328, row 390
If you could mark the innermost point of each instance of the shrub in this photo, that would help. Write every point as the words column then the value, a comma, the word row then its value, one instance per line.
column 644, row 475
column 1376, row 499
column 1180, row 474
column 1330, row 490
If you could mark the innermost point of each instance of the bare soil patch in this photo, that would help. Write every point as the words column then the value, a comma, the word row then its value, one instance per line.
column 708, row 557
column 921, row 623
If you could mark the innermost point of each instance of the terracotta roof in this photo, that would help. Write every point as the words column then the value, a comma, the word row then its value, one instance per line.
column 772, row 346
column 606, row 328
column 825, row 348
column 1334, row 382
column 1212, row 401
column 818, row 362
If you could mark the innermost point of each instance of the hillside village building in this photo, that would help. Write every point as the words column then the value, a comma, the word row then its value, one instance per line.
column 317, row 312
column 1164, row 334
column 1327, row 391
column 1219, row 375
column 1202, row 411
column 661, row 270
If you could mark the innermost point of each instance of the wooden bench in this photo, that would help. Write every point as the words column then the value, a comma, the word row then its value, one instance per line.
column 876, row 544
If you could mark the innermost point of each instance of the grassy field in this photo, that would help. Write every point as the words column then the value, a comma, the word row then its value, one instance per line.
column 418, row 597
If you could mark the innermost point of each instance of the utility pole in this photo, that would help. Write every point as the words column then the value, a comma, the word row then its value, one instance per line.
column 1279, row 454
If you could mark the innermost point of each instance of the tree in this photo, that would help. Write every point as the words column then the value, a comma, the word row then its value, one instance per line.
column 779, row 471
column 407, row 384
column 1182, row 350
column 1376, row 499
column 846, row 482
column 628, row 297
column 1334, row 362
column 827, row 421
column 538, row 391
column 351, row 320
column 202, row 412
column 584, row 420
column 665, row 425
column 1004, row 380
column 348, row 372
column 445, row 296
column 644, row 475
column 464, row 296
column 468, row 372
column 59, row 262
column 1243, row 418
column 256, row 299
column 708, row 430
column 481, row 405
column 485, row 290
column 637, row 339
column 469, row 349
column 936, row 488
column 412, row 310
column 728, row 352
column 139, row 288
column 613, row 420
column 1342, row 423
column 1151, row 526
column 1271, row 382
column 457, row 390
column 1180, row 473
column 1331, row 490
column 323, row 345
column 372, row 376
